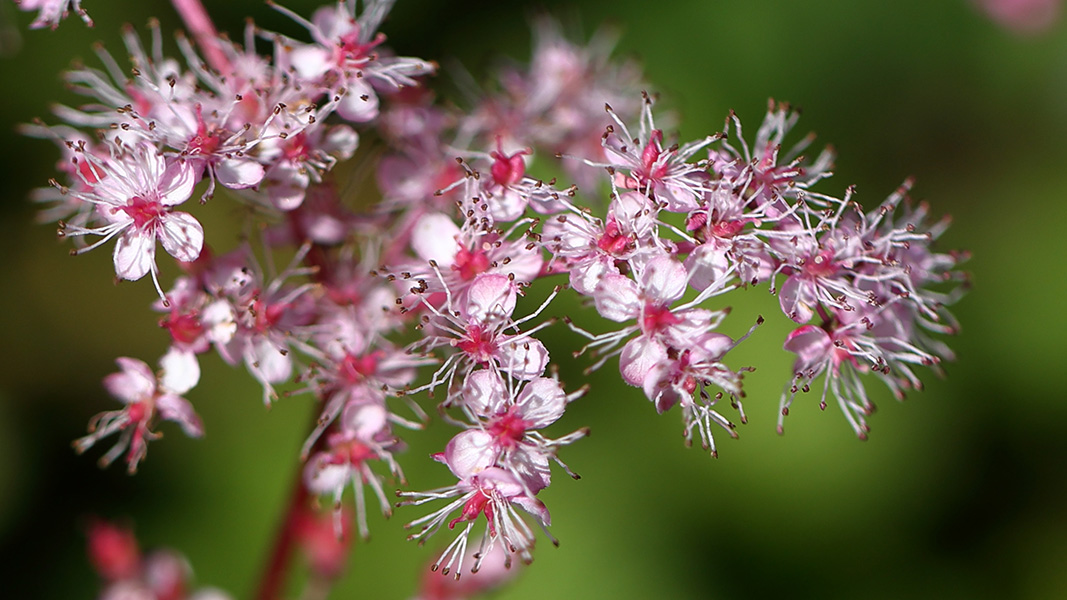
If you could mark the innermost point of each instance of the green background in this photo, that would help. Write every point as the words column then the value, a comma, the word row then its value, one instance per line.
column 959, row 492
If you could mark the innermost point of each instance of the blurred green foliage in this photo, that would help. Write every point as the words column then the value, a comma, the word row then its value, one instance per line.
column 959, row 493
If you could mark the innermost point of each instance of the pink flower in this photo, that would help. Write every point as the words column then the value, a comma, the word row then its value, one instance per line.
column 1023, row 16
column 363, row 439
column 147, row 400
column 345, row 58
column 661, row 282
column 134, row 201
column 665, row 175
column 508, row 421
column 51, row 12
column 481, row 329
column 485, row 491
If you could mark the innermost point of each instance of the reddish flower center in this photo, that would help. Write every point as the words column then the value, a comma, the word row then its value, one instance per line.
column 137, row 412
column 204, row 142
column 184, row 328
column 357, row 368
column 821, row 264
column 143, row 212
column 508, row 428
column 479, row 344
column 727, row 229
column 113, row 551
column 349, row 50
column 477, row 504
column 296, row 147
column 267, row 315
column 613, row 240
column 470, row 264
column 649, row 171
column 507, row 170
column 656, row 318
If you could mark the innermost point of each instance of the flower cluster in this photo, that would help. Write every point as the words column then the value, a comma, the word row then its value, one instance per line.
column 128, row 574
column 410, row 291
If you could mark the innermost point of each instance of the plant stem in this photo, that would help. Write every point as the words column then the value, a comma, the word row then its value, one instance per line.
column 201, row 27
column 274, row 575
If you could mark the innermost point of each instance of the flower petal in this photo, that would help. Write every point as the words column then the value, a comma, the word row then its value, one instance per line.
column 181, row 235
column 135, row 253
column 541, row 402
column 181, row 371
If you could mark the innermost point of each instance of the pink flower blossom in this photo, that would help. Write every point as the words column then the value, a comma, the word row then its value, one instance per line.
column 51, row 12
column 134, row 201
column 147, row 400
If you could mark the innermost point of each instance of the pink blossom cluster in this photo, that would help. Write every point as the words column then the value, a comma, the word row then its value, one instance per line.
column 411, row 288
column 51, row 12
column 129, row 574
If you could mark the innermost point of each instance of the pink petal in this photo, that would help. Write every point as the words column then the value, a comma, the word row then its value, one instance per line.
column 179, row 410
column 523, row 359
column 586, row 274
column 663, row 280
column 239, row 173
column 706, row 264
column 181, row 235
column 484, row 393
column 617, row 298
column 364, row 420
column 639, row 356
column 531, row 466
column 811, row 344
column 491, row 297
column 470, row 452
column 535, row 507
column 658, row 388
column 134, row 383
column 434, row 238
column 176, row 183
column 135, row 253
column 541, row 402
column 792, row 298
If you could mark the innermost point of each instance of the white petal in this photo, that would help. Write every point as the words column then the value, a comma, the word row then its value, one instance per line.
column 541, row 402
column 181, row 235
column 434, row 238
column 484, row 393
column 268, row 361
column 135, row 253
column 181, row 371
column 616, row 298
column 324, row 478
column 239, row 173
column 360, row 102
column 490, row 298
column 310, row 61
column 176, row 183
column 663, row 280
column 341, row 141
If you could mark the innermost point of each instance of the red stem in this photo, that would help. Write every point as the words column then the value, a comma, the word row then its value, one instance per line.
column 272, row 583
column 200, row 25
